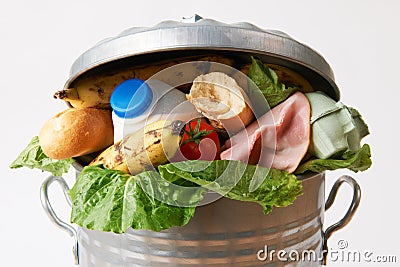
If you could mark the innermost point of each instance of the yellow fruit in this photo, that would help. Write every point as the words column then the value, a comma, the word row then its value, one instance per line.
column 95, row 91
column 144, row 149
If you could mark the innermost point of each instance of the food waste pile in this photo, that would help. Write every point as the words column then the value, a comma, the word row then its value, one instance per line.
column 262, row 124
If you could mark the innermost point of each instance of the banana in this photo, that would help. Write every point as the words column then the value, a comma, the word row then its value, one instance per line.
column 144, row 149
column 95, row 91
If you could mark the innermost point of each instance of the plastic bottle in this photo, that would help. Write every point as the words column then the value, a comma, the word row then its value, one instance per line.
column 136, row 103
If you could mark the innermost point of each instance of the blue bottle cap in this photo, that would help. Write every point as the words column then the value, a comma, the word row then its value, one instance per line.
column 131, row 98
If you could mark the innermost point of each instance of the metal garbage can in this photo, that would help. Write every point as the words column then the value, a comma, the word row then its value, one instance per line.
column 224, row 232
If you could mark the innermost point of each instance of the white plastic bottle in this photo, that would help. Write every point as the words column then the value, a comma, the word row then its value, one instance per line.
column 136, row 103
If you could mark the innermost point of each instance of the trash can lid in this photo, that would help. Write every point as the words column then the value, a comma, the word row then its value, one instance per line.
column 196, row 35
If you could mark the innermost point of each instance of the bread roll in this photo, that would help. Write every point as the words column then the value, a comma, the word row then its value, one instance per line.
column 220, row 99
column 76, row 132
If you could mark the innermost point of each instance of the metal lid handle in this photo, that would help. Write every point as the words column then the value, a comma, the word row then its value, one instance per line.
column 350, row 212
column 192, row 19
column 44, row 198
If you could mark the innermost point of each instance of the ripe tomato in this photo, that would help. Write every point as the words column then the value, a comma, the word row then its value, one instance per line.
column 199, row 141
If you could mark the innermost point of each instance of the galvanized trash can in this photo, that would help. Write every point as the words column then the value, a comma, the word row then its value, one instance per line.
column 224, row 232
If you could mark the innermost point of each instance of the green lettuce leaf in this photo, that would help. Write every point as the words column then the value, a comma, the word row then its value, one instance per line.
column 238, row 181
column 267, row 81
column 33, row 157
column 110, row 200
column 359, row 160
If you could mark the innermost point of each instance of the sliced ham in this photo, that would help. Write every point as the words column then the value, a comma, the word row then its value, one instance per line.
column 279, row 139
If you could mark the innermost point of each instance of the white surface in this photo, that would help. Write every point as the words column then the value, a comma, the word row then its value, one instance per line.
column 41, row 39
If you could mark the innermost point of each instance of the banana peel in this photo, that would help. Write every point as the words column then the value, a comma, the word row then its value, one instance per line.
column 144, row 149
column 95, row 91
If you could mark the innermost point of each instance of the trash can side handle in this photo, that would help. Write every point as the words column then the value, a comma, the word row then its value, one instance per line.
column 350, row 212
column 44, row 198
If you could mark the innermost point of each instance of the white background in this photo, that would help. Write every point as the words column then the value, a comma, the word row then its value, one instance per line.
column 41, row 39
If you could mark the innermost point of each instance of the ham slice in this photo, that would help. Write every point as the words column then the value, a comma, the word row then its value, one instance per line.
column 279, row 139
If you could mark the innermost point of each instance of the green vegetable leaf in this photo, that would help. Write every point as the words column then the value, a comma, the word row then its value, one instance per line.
column 237, row 180
column 267, row 81
column 110, row 200
column 359, row 160
column 33, row 157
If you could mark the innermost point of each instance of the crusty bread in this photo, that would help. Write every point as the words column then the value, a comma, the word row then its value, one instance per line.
column 76, row 132
column 219, row 98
